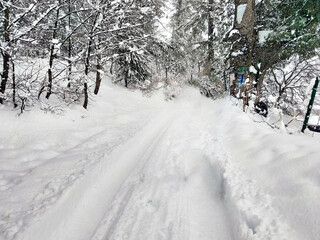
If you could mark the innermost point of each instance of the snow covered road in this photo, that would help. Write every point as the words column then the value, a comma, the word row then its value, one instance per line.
column 157, row 184
column 141, row 169
column 173, row 192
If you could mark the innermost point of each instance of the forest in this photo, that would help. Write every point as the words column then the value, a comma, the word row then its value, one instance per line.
column 261, row 51
column 159, row 119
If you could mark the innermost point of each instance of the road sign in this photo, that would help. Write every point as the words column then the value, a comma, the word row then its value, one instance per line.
column 241, row 70
column 241, row 79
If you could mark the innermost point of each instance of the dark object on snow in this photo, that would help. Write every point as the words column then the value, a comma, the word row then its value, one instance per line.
column 262, row 109
column 313, row 95
column 314, row 128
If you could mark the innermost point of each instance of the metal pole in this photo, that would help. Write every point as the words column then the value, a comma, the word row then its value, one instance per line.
column 313, row 95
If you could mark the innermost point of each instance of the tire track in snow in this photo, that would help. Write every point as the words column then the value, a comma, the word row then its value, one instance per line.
column 51, row 190
column 163, row 184
column 124, row 196
column 177, row 194
column 90, row 196
column 138, row 211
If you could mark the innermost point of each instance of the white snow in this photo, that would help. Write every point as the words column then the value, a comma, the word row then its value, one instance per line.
column 234, row 31
column 135, row 167
column 272, row 99
column 263, row 35
column 55, row 41
column 240, row 12
column 252, row 69
column 237, row 53
column 310, row 86
column 163, row 24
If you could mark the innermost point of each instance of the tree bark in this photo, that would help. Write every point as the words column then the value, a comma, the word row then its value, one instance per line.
column 210, row 33
column 259, row 86
column 52, row 55
column 246, row 40
column 98, row 76
column 86, row 71
column 166, row 71
column 87, row 62
column 85, row 103
column 69, row 46
column 14, row 85
column 126, row 79
column 5, row 54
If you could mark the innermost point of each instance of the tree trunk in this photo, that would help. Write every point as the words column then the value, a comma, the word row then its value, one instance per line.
column 85, row 103
column 259, row 86
column 280, row 92
column 52, row 55
column 69, row 46
column 245, row 99
column 5, row 54
column 87, row 62
column 247, row 39
column 225, row 80
column 126, row 79
column 86, row 71
column 14, row 85
column 98, row 76
column 210, row 34
column 166, row 76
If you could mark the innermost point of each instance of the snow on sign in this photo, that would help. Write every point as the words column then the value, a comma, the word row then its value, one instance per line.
column 240, row 12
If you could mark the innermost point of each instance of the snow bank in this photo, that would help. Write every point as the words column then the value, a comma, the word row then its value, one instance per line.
column 282, row 166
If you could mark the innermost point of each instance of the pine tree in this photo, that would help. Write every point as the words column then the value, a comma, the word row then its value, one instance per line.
column 134, row 36
column 295, row 31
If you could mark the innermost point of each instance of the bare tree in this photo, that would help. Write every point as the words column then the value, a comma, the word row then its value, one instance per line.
column 288, row 80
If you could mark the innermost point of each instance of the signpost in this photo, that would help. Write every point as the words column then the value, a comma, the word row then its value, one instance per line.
column 313, row 95
column 241, row 71
column 241, row 79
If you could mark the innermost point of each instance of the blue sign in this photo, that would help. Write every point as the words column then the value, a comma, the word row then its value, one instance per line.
column 241, row 79
column 240, row 82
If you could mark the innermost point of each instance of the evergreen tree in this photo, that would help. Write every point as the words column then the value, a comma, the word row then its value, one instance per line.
column 134, row 37
column 294, row 26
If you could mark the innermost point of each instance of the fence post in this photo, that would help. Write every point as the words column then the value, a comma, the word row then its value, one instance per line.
column 313, row 95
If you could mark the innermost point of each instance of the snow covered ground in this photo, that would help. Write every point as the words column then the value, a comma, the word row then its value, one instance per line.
column 133, row 167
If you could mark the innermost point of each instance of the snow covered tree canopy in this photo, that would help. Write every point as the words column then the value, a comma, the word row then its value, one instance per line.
column 295, row 25
column 77, row 38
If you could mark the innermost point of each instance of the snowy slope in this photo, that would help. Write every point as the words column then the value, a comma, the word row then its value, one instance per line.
column 134, row 167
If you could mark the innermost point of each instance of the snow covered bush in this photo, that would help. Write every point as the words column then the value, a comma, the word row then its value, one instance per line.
column 131, row 68
column 210, row 87
column 286, row 84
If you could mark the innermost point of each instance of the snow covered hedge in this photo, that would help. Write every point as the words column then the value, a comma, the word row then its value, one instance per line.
column 210, row 87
